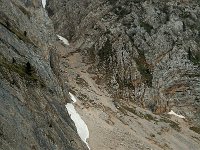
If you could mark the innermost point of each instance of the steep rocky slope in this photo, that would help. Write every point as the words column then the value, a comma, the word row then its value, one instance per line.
column 32, row 94
column 116, row 124
column 146, row 52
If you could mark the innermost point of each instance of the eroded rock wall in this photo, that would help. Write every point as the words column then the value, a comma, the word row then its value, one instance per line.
column 32, row 97
column 147, row 51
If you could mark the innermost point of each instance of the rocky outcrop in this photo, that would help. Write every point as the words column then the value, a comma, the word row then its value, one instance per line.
column 147, row 51
column 32, row 94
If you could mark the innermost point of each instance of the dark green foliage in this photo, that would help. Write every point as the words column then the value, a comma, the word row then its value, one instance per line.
column 130, row 109
column 185, row 15
column 24, row 71
column 112, row 2
column 165, row 10
column 191, row 75
column 28, row 68
column 152, row 135
column 128, row 83
column 189, row 54
column 195, row 58
column 105, row 52
column 144, row 69
column 121, row 11
column 25, row 33
column 50, row 11
column 81, row 81
column 148, row 117
column 146, row 26
column 137, row 113
column 195, row 129
column 175, row 126
column 91, row 54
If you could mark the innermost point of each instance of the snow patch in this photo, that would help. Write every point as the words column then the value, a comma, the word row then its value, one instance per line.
column 44, row 3
column 79, row 123
column 173, row 113
column 73, row 97
column 81, row 126
column 64, row 40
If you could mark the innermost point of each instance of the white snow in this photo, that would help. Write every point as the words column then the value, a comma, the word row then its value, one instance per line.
column 44, row 3
column 81, row 126
column 73, row 97
column 173, row 113
column 64, row 40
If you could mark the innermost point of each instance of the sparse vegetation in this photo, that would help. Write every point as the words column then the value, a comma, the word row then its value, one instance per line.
column 185, row 15
column 24, row 71
column 146, row 26
column 195, row 129
column 81, row 81
column 122, row 110
column 195, row 58
column 121, row 11
column 112, row 2
column 139, row 114
column 148, row 117
column 172, row 124
column 144, row 69
column 132, row 110
column 152, row 135
column 191, row 75
column 105, row 52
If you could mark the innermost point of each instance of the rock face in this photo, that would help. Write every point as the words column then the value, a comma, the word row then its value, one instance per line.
column 146, row 51
column 32, row 94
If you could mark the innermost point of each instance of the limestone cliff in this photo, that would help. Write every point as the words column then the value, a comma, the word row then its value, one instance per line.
column 32, row 94
column 146, row 52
